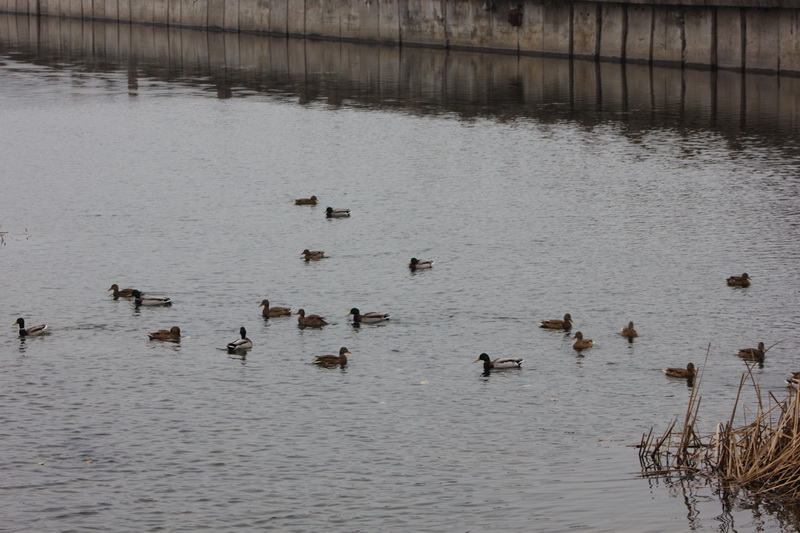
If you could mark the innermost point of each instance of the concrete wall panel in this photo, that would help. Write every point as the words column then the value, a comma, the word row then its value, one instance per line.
column 422, row 22
column 586, row 29
column 194, row 13
column 761, row 40
column 557, row 29
column 668, row 29
column 730, row 38
column 216, row 15
column 295, row 17
column 254, row 16
column 638, row 41
column 389, row 23
column 468, row 23
column 142, row 12
column 612, row 32
column 789, row 41
column 161, row 12
column 530, row 36
column 699, row 33
column 231, row 20
column 279, row 16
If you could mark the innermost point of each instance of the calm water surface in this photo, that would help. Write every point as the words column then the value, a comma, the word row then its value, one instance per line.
column 534, row 199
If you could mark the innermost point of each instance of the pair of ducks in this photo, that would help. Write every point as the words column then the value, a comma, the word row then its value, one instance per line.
column 317, row 321
column 139, row 298
column 580, row 343
column 329, row 211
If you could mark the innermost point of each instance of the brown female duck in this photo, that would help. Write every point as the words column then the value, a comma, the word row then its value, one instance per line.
column 330, row 360
column 314, row 255
column 581, row 343
column 739, row 281
column 753, row 353
column 629, row 332
column 311, row 321
column 306, row 201
column 689, row 372
column 120, row 293
column 171, row 334
column 565, row 324
column 273, row 311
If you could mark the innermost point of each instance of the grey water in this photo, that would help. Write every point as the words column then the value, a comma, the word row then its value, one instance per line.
column 168, row 160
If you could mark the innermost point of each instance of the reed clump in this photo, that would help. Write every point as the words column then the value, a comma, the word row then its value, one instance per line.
column 762, row 456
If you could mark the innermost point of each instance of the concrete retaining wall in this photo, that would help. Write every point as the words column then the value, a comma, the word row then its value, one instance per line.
column 754, row 35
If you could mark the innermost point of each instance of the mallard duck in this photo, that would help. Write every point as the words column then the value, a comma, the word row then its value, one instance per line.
column 739, row 281
column 419, row 264
column 120, row 293
column 336, row 213
column 140, row 299
column 330, row 360
column 312, row 321
column 794, row 379
column 499, row 363
column 581, row 343
column 240, row 345
column 367, row 318
column 628, row 331
column 565, row 324
column 312, row 255
column 753, row 353
column 273, row 311
column 689, row 372
column 306, row 201
column 171, row 334
column 31, row 331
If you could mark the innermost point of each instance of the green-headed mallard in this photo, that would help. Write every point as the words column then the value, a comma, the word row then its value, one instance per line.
column 140, row 299
column 367, row 318
column 581, row 343
column 739, row 281
column 499, row 363
column 171, row 334
column 273, row 311
column 331, row 360
column 336, row 213
column 31, row 331
column 306, row 201
column 419, row 264
column 120, row 293
column 242, row 344
column 565, row 324
column 628, row 331
column 689, row 372
column 753, row 353
column 311, row 321
column 314, row 255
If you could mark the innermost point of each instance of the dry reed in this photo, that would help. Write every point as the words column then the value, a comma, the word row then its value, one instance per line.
column 762, row 456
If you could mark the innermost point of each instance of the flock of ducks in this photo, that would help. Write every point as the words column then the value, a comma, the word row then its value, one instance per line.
column 243, row 344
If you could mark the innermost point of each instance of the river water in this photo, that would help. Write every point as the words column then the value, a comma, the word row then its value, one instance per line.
column 168, row 160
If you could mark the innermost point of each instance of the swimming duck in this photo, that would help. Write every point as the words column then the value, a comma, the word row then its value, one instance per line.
column 419, row 264
column 306, row 201
column 753, row 353
column 313, row 321
column 499, row 363
column 581, row 343
column 240, row 345
column 312, row 255
column 31, row 331
column 367, row 318
column 120, row 293
column 171, row 334
column 689, row 372
column 628, row 331
column 336, row 213
column 739, row 281
column 140, row 299
column 794, row 379
column 565, row 324
column 273, row 311
column 330, row 360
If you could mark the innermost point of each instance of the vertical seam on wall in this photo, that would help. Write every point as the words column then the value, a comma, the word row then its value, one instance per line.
column 683, row 36
column 743, row 25
column 624, row 44
column 571, row 29
column 714, row 44
column 598, row 17
column 652, row 35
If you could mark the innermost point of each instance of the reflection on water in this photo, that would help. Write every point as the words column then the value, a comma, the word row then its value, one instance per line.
column 743, row 108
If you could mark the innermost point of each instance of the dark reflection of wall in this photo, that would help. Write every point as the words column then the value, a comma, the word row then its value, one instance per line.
column 639, row 98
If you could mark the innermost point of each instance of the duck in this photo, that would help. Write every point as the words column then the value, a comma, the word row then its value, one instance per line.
column 140, row 299
column 306, row 201
column 565, row 324
column 336, row 213
column 689, row 372
column 330, row 360
column 499, row 363
column 628, row 331
column 273, row 311
column 313, row 321
column 794, row 379
column 240, row 345
column 120, row 293
column 31, row 331
column 171, row 334
column 739, row 281
column 581, row 343
column 312, row 255
column 367, row 318
column 419, row 264
column 753, row 353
